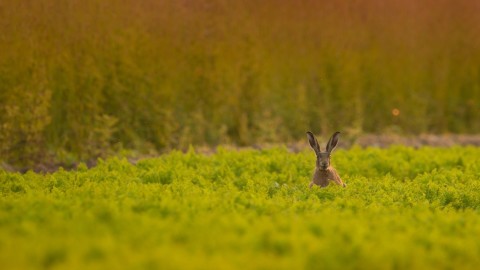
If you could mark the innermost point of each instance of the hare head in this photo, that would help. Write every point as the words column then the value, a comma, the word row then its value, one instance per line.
column 323, row 171
column 323, row 158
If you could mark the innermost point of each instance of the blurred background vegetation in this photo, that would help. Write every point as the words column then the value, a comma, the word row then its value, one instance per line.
column 84, row 79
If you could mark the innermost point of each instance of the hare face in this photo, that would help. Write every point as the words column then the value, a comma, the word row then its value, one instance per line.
column 323, row 160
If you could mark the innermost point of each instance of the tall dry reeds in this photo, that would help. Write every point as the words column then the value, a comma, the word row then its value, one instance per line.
column 83, row 78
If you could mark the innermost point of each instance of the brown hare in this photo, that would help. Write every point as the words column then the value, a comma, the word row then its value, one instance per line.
column 324, row 172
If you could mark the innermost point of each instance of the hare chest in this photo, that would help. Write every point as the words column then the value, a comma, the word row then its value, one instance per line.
column 320, row 177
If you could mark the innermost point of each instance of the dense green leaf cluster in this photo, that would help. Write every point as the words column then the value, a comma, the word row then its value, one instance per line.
column 403, row 208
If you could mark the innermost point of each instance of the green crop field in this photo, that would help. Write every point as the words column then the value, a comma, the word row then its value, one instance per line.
column 403, row 208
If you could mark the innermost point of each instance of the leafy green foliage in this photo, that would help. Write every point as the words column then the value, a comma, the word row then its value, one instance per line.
column 403, row 208
column 23, row 120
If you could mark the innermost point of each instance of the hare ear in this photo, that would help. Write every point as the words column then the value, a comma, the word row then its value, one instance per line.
column 332, row 143
column 313, row 142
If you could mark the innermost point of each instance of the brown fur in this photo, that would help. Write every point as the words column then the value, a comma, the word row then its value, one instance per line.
column 322, row 177
column 324, row 172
